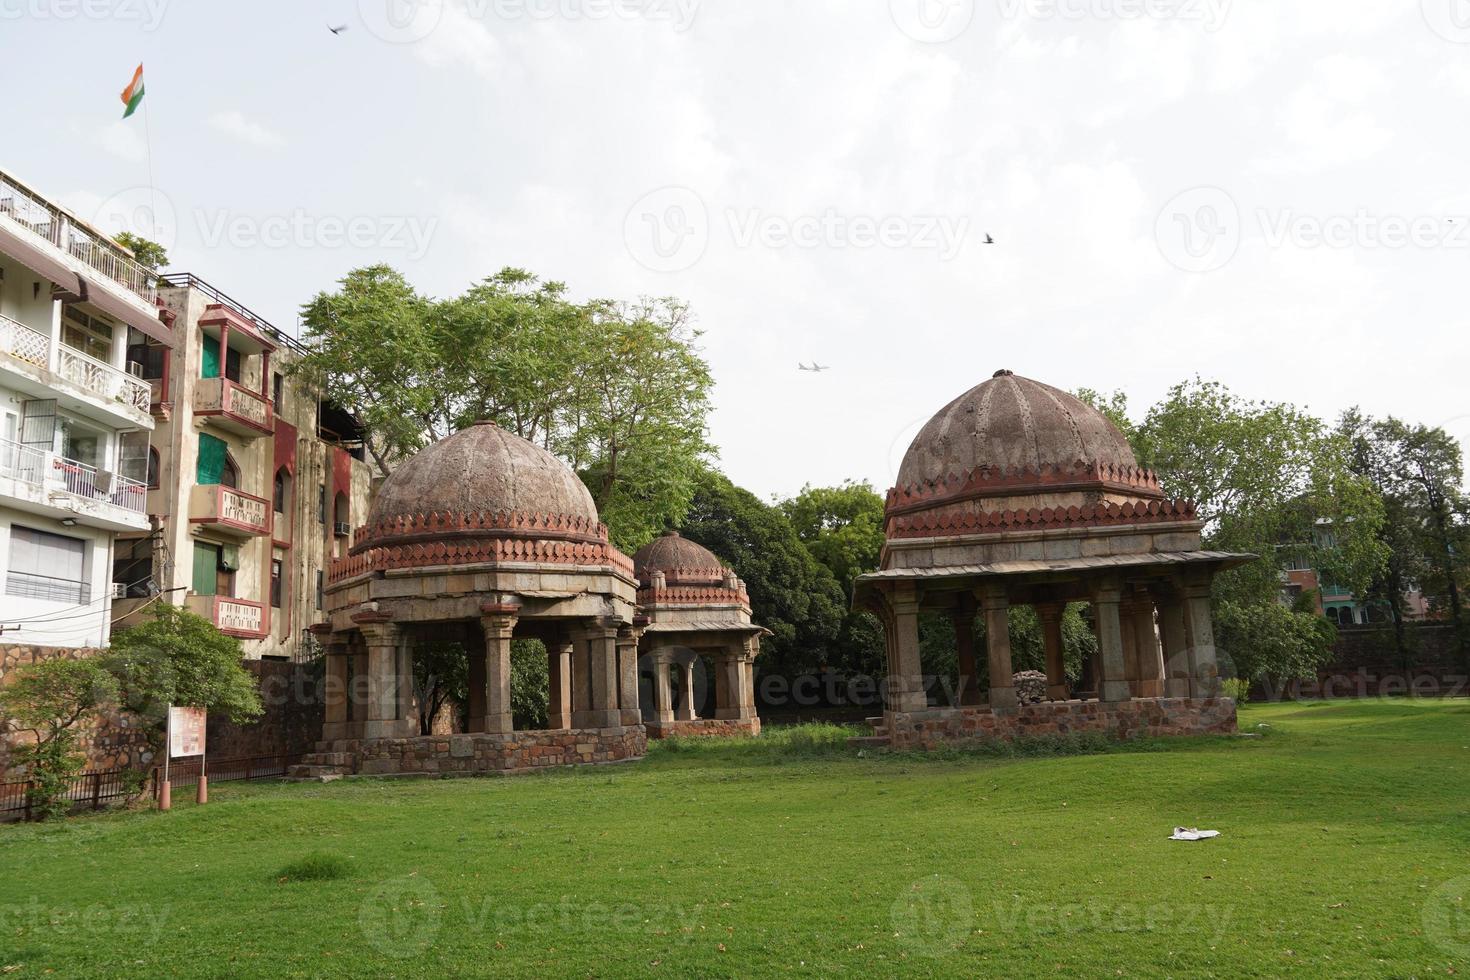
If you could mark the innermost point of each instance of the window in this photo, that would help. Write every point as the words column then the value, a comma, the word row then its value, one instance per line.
column 212, row 456
column 278, row 390
column 87, row 334
column 80, row 442
column 321, row 504
column 276, row 582
column 133, row 454
column 230, row 475
column 150, row 360
column 321, row 589
column 46, row 566
column 132, row 566
column 154, row 466
column 214, row 569
column 278, row 492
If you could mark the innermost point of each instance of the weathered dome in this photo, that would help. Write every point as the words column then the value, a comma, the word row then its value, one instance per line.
column 1016, row 424
column 483, row 470
column 682, row 561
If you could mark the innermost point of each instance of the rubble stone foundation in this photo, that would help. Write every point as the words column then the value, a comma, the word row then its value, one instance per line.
column 937, row 727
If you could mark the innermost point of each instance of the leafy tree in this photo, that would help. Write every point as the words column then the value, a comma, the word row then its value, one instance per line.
column 176, row 657
column 47, row 701
column 530, row 680
column 791, row 593
column 1270, row 641
column 618, row 390
column 441, row 676
column 149, row 254
column 841, row 526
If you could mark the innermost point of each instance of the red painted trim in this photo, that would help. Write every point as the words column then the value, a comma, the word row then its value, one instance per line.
column 217, row 314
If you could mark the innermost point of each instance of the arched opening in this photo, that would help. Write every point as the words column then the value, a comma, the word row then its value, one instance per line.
column 281, row 490
column 155, row 465
column 230, row 474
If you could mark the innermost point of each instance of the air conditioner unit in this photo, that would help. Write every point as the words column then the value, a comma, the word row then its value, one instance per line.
column 135, row 368
column 229, row 558
column 342, row 529
column 105, row 482
column 119, row 590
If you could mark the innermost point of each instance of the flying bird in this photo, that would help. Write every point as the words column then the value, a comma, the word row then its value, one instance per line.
column 817, row 368
column 336, row 30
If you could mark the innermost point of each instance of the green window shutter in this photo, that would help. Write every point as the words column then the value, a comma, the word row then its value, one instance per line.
column 211, row 459
column 206, row 568
column 209, row 367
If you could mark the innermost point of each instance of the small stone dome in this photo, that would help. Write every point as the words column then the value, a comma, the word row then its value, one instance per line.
column 1013, row 423
column 682, row 561
column 483, row 470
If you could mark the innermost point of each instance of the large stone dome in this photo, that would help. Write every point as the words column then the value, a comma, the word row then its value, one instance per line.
column 1013, row 424
column 682, row 561
column 482, row 482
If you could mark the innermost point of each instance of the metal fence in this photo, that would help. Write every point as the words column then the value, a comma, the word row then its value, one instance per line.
column 94, row 790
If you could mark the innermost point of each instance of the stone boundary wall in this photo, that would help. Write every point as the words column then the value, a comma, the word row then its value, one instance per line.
column 705, row 728
column 939, row 727
column 517, row 752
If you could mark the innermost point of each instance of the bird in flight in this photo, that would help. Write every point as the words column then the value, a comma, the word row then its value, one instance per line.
column 988, row 239
column 336, row 30
column 815, row 367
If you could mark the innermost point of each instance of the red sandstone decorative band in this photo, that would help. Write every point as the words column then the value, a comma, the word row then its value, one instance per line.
column 1135, row 512
column 999, row 481
column 411, row 526
column 479, row 551
column 693, row 576
column 686, row 594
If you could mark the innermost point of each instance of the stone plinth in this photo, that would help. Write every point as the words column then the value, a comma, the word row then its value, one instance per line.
column 938, row 727
column 498, row 753
column 704, row 727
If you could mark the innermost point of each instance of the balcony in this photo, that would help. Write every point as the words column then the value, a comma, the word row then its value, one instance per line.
column 44, row 482
column 226, row 510
column 118, row 395
column 45, row 219
column 235, row 617
column 232, row 407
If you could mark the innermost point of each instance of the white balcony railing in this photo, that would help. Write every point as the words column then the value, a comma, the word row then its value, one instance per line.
column 40, row 468
column 102, row 378
column 19, row 340
column 56, row 226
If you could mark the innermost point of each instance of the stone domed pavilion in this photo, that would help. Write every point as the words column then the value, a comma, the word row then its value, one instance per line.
column 480, row 538
column 1017, row 493
column 695, row 608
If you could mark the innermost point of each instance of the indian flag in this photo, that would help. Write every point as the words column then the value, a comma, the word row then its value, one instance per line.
column 133, row 94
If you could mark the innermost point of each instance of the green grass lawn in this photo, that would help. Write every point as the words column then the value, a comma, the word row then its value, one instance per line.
column 1345, row 842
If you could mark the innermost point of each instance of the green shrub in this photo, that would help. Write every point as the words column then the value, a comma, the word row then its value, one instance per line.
column 316, row 866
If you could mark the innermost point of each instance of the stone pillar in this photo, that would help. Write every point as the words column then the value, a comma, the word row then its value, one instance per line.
column 559, row 690
column 335, row 684
column 964, row 644
column 384, row 707
column 686, row 711
column 581, row 679
column 997, row 611
column 357, row 691
column 1051, row 643
column 628, row 677
column 1127, row 629
column 1176, row 647
column 602, row 659
column 663, row 695
column 1112, row 683
column 905, row 673
column 735, row 678
column 498, row 630
column 1146, row 640
column 1204, row 670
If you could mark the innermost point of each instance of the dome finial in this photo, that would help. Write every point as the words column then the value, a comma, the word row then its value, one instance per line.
column 1003, row 373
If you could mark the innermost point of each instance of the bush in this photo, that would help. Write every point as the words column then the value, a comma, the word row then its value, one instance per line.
column 316, row 866
column 47, row 700
column 1236, row 687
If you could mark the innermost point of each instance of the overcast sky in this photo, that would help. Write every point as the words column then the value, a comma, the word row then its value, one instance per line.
column 1275, row 195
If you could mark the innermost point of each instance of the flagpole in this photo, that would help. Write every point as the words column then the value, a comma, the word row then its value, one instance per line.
column 152, row 190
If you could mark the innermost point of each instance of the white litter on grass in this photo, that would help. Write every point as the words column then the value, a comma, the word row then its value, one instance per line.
column 1192, row 833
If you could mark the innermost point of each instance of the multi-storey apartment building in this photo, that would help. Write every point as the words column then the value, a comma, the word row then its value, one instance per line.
column 74, row 419
column 255, row 482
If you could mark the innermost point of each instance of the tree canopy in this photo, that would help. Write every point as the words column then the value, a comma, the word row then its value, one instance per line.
column 619, row 390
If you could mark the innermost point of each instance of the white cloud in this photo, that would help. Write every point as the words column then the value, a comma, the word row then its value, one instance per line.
column 234, row 124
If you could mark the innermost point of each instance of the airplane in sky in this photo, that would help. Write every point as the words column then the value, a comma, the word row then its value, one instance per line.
column 815, row 367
